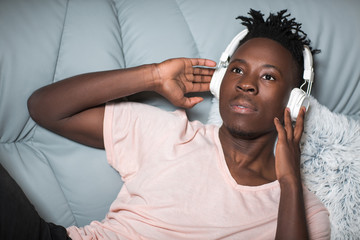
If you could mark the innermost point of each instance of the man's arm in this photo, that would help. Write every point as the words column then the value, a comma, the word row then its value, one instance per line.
column 74, row 107
column 291, row 217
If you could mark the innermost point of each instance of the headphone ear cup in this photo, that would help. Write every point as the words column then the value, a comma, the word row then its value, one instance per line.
column 216, row 80
column 298, row 98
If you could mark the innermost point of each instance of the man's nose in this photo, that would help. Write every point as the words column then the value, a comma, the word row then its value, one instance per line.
column 247, row 84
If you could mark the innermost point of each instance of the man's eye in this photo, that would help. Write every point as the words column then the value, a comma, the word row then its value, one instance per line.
column 237, row 70
column 268, row 77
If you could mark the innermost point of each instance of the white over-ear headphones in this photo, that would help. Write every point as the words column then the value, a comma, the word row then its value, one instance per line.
column 298, row 97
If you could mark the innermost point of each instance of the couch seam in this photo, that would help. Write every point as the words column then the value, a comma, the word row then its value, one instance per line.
column 54, row 74
column 121, row 46
column 61, row 41
column 191, row 33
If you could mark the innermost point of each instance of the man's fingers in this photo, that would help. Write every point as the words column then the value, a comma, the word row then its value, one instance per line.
column 201, row 79
column 199, row 87
column 280, row 129
column 288, row 124
column 299, row 126
column 202, row 62
column 197, row 71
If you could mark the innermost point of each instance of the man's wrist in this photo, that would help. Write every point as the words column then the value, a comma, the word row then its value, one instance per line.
column 291, row 182
column 154, row 84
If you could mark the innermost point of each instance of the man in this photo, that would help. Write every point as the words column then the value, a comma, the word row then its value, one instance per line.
column 186, row 180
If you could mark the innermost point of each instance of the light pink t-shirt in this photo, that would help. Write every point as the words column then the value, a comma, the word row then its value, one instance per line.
column 177, row 184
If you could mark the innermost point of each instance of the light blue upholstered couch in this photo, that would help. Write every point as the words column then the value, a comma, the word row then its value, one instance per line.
column 43, row 41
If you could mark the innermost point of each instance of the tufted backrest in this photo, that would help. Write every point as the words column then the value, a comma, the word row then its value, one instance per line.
column 42, row 42
column 45, row 41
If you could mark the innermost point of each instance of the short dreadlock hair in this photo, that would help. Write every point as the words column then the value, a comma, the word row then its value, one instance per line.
column 280, row 28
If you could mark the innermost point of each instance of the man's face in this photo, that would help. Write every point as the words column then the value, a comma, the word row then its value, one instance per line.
column 256, row 87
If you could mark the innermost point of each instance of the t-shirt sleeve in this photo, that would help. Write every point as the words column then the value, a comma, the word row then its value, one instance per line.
column 317, row 217
column 134, row 131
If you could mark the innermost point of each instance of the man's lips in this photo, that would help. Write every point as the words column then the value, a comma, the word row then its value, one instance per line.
column 243, row 106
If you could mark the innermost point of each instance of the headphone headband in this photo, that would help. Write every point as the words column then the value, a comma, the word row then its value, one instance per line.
column 308, row 74
column 230, row 49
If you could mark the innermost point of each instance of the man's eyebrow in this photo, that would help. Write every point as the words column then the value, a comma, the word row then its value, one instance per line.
column 240, row 60
column 272, row 66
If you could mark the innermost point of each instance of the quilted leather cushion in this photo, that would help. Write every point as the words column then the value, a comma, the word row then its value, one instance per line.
column 42, row 42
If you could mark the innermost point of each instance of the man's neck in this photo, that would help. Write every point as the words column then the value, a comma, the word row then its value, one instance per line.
column 250, row 160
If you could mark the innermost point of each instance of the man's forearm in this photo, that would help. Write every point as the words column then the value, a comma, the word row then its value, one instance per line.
column 291, row 217
column 70, row 96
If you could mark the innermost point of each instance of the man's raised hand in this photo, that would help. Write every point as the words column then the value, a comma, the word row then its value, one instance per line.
column 287, row 155
column 176, row 77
